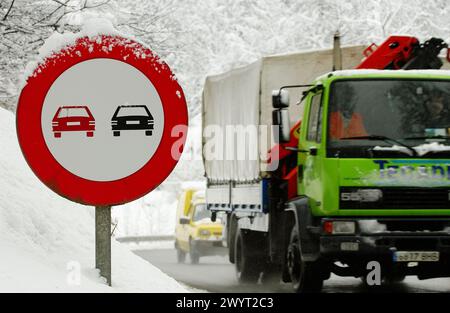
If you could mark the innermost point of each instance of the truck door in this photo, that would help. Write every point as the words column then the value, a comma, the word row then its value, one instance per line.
column 310, row 162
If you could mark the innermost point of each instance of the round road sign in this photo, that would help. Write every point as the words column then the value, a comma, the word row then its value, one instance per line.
column 103, row 121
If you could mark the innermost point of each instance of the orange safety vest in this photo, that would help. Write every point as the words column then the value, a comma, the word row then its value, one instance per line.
column 355, row 127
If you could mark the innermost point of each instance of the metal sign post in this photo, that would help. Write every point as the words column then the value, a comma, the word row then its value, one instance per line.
column 103, row 241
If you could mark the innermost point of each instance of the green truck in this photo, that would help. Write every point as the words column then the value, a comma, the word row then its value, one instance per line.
column 363, row 177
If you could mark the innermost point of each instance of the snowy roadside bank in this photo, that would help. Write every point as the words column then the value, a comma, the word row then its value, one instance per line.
column 47, row 242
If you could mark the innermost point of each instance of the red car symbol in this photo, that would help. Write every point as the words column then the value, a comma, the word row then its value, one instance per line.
column 73, row 118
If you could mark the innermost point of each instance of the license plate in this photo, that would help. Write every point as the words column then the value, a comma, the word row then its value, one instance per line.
column 349, row 246
column 73, row 123
column 416, row 256
column 133, row 122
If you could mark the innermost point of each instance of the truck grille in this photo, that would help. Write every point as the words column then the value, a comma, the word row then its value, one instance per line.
column 402, row 198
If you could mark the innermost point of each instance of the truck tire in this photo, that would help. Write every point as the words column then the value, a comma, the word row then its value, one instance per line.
column 305, row 276
column 231, row 237
column 245, row 261
column 193, row 253
column 394, row 278
column 271, row 275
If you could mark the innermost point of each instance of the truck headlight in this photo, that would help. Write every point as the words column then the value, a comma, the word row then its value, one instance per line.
column 362, row 195
column 339, row 227
column 205, row 232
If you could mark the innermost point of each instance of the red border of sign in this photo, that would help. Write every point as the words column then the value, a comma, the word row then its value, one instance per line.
column 60, row 180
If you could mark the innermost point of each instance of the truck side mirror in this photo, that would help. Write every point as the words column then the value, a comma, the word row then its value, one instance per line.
column 280, row 122
column 185, row 220
column 280, row 99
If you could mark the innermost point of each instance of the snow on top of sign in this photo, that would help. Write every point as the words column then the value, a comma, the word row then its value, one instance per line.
column 93, row 28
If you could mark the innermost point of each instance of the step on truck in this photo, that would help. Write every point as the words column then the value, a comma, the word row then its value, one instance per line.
column 363, row 175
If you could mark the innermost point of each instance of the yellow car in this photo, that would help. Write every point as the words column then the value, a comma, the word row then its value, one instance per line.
column 195, row 233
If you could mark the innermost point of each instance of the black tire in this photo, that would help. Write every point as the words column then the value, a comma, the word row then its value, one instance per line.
column 148, row 133
column 193, row 253
column 116, row 133
column 271, row 275
column 231, row 237
column 181, row 256
column 305, row 276
column 246, row 263
column 393, row 278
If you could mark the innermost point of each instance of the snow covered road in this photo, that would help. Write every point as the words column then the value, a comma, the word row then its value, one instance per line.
column 216, row 274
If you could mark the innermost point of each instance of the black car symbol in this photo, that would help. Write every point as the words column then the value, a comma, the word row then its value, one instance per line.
column 132, row 117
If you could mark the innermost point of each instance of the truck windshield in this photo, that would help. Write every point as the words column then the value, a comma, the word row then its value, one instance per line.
column 411, row 112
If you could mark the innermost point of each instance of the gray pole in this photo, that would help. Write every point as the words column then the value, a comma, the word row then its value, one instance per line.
column 337, row 52
column 103, row 241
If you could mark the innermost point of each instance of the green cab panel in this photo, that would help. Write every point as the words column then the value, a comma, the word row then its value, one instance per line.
column 368, row 187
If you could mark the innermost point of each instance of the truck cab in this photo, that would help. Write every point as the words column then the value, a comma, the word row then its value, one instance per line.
column 373, row 178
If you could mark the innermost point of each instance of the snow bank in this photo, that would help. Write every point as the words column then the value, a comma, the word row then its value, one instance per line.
column 47, row 242
column 154, row 214
column 151, row 215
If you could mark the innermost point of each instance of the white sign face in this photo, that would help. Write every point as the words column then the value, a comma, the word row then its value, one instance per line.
column 102, row 120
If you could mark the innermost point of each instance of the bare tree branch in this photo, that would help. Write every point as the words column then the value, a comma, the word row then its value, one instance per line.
column 9, row 10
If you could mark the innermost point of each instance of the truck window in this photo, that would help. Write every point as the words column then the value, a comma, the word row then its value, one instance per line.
column 314, row 122
column 201, row 212
column 414, row 112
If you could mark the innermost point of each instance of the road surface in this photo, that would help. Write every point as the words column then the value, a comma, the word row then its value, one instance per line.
column 216, row 274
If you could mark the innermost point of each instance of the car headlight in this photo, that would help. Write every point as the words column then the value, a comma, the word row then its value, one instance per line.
column 362, row 195
column 205, row 232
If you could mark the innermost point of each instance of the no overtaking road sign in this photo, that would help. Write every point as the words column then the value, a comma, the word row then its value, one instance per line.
column 101, row 121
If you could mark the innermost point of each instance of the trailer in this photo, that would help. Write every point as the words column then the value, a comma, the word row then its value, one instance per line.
column 299, row 200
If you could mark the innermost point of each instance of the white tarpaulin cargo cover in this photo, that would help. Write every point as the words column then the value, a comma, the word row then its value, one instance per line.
column 243, row 98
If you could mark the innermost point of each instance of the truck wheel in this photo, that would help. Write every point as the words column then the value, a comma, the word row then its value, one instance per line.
column 116, row 133
column 394, row 278
column 246, row 264
column 57, row 135
column 304, row 275
column 231, row 237
column 90, row 134
column 271, row 275
column 148, row 133
column 193, row 253
column 181, row 256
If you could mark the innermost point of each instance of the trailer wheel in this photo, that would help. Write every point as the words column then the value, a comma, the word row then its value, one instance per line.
column 231, row 236
column 305, row 276
column 246, row 263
